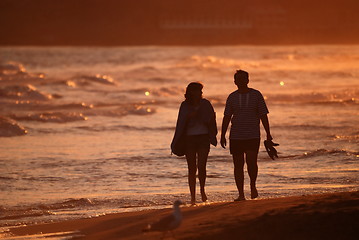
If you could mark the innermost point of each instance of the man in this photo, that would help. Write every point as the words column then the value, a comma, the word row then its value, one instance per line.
column 245, row 108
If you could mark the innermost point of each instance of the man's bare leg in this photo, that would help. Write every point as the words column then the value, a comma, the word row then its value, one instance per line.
column 238, row 161
column 252, row 167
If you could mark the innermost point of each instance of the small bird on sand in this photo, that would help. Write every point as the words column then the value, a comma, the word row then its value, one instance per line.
column 168, row 223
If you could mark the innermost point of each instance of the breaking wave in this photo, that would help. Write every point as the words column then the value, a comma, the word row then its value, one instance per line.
column 41, row 106
column 40, row 210
column 323, row 152
column 85, row 80
column 344, row 97
column 11, row 68
column 57, row 117
column 10, row 128
column 43, row 212
column 124, row 127
column 309, row 127
column 162, row 92
column 13, row 71
column 130, row 109
column 23, row 93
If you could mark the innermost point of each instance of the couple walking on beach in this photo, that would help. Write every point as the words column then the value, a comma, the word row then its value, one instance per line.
column 196, row 129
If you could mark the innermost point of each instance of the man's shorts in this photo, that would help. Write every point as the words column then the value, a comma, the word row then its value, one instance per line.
column 196, row 142
column 239, row 146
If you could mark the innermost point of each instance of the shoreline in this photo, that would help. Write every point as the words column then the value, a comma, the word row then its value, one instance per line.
column 319, row 216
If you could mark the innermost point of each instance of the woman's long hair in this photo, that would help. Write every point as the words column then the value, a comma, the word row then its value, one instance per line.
column 193, row 86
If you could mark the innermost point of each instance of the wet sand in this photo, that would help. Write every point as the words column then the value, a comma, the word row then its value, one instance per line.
column 324, row 216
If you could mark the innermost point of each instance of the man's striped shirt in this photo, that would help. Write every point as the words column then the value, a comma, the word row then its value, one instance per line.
column 245, row 110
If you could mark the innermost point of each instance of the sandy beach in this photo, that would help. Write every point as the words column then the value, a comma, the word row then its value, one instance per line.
column 324, row 216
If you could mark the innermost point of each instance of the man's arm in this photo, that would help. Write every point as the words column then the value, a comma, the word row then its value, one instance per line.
column 225, row 123
column 265, row 122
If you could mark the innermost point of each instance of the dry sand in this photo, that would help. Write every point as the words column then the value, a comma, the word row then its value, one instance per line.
column 325, row 216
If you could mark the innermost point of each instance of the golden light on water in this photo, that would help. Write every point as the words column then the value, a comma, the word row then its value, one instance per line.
column 71, row 83
column 147, row 93
column 281, row 83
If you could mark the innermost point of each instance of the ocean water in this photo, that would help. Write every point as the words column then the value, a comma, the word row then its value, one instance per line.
column 86, row 131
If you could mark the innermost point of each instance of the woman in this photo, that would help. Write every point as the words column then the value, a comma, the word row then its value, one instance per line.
column 196, row 128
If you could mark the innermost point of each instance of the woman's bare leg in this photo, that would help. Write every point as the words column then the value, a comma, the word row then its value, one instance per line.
column 192, row 169
column 202, row 172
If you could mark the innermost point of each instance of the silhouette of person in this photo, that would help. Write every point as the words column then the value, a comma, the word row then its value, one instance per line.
column 245, row 108
column 196, row 126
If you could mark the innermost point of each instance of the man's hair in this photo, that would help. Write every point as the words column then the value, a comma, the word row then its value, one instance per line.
column 240, row 75
column 192, row 86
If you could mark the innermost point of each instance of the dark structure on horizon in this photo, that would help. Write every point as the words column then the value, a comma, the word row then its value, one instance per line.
column 178, row 22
